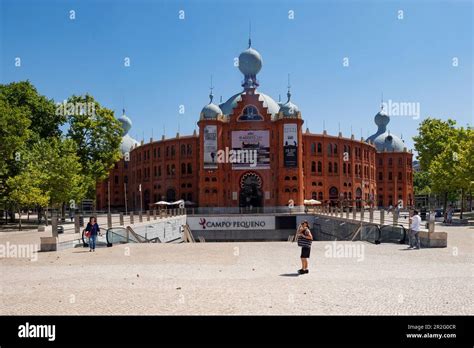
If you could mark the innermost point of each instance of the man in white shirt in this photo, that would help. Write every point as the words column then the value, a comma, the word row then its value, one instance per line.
column 415, row 231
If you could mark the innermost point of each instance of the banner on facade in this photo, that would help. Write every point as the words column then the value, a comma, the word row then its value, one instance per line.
column 250, row 144
column 210, row 147
column 290, row 145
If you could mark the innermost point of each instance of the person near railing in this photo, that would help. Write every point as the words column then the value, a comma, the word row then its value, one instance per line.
column 92, row 230
column 415, row 231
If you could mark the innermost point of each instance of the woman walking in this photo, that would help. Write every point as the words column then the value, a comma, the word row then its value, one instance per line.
column 304, row 238
column 93, row 229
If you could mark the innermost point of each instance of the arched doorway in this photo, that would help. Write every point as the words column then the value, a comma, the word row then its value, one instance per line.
column 358, row 197
column 251, row 195
column 171, row 195
column 333, row 195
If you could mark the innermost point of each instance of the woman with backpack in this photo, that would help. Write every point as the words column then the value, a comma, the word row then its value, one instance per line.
column 92, row 229
column 304, row 238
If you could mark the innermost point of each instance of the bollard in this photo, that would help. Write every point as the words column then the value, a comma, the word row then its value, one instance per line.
column 77, row 226
column 395, row 218
column 140, row 217
column 131, row 218
column 362, row 213
column 354, row 212
column 382, row 217
column 109, row 220
column 147, row 215
column 54, row 226
column 342, row 212
column 121, row 219
column 431, row 222
column 347, row 213
column 371, row 215
column 154, row 214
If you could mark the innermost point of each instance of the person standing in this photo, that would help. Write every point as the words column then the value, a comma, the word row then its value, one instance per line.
column 415, row 231
column 304, row 238
column 93, row 229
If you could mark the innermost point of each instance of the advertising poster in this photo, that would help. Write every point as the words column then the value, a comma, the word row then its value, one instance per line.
column 290, row 145
column 252, row 148
column 210, row 147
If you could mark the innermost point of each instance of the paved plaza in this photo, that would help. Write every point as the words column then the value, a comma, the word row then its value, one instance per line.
column 349, row 278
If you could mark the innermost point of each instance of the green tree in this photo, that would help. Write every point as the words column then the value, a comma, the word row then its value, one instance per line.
column 433, row 135
column 422, row 183
column 45, row 122
column 97, row 135
column 25, row 190
column 14, row 133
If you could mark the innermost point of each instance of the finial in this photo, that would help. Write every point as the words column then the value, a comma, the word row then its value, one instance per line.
column 279, row 98
column 381, row 102
column 250, row 33
column 211, row 96
column 123, row 111
column 289, row 87
column 220, row 100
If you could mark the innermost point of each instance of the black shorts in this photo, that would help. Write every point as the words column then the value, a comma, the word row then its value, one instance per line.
column 305, row 251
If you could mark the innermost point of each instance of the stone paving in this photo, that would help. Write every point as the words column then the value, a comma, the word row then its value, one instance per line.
column 348, row 278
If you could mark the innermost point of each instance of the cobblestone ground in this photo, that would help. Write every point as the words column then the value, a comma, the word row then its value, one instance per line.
column 241, row 278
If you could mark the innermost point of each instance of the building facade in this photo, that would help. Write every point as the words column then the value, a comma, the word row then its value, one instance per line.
column 252, row 151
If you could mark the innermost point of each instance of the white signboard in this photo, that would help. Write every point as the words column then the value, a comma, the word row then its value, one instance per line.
column 213, row 223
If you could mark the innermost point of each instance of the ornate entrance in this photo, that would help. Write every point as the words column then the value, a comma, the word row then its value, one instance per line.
column 251, row 195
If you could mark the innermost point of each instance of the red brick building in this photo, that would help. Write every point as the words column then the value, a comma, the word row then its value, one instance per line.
column 252, row 152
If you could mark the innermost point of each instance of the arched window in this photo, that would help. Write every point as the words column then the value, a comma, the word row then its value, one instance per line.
column 183, row 168
column 287, row 190
column 294, row 178
column 313, row 148
column 330, row 167
column 295, row 190
column 190, row 168
column 314, row 195
column 287, row 178
column 313, row 183
column 320, row 148
column 335, row 167
column 344, row 168
column 250, row 113
column 329, row 149
column 320, row 167
column 335, row 149
column 313, row 167
column 320, row 195
column 183, row 150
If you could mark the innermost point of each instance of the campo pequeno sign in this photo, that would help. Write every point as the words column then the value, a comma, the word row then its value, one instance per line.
column 212, row 223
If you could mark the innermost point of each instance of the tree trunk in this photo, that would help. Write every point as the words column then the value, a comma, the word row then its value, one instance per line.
column 19, row 219
column 462, row 203
column 445, row 207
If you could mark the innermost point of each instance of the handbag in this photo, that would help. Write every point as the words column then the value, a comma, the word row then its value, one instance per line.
column 87, row 234
column 304, row 242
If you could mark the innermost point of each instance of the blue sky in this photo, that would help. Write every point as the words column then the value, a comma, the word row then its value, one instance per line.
column 409, row 59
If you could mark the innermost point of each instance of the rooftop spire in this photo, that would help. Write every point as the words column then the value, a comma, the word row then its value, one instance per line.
column 211, row 96
column 250, row 33
column 289, row 87
column 381, row 102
